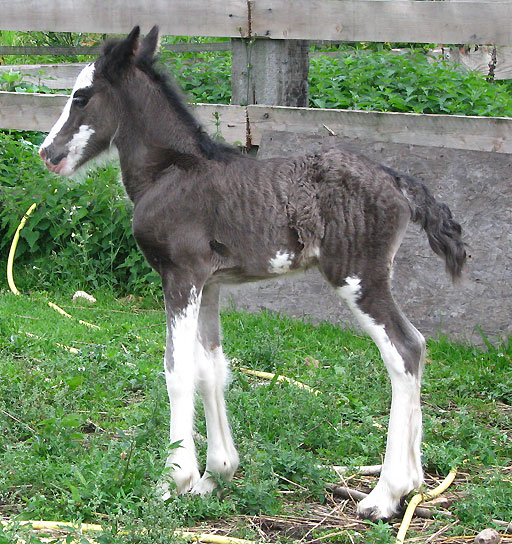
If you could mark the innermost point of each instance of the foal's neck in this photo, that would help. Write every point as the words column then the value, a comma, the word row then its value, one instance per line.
column 153, row 136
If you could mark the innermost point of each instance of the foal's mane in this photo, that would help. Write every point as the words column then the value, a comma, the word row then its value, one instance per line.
column 212, row 150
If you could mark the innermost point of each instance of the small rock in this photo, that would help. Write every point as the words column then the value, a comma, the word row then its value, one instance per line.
column 488, row 536
column 311, row 361
column 85, row 296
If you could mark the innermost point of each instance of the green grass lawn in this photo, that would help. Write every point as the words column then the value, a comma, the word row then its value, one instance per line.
column 83, row 437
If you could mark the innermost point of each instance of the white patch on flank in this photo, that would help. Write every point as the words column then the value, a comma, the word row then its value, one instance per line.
column 313, row 252
column 84, row 79
column 180, row 370
column 401, row 471
column 280, row 264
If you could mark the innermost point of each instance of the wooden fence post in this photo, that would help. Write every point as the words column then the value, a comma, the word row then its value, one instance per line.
column 272, row 72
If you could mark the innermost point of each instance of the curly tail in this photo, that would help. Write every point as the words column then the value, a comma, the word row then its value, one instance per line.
column 443, row 232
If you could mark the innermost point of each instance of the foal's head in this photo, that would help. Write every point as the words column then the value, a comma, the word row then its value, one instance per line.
column 91, row 116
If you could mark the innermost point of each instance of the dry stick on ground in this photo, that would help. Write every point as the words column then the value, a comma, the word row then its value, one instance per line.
column 18, row 421
column 320, row 522
column 507, row 526
column 364, row 470
column 352, row 494
column 432, row 538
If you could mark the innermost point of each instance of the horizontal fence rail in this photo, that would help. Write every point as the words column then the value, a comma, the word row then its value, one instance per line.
column 96, row 49
column 244, row 124
column 54, row 76
column 346, row 20
column 384, row 21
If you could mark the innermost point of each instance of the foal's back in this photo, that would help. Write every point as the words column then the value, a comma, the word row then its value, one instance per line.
column 258, row 219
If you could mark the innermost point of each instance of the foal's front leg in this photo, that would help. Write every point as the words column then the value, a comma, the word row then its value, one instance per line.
column 212, row 372
column 182, row 309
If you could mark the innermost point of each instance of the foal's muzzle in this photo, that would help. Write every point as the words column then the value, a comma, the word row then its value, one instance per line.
column 54, row 164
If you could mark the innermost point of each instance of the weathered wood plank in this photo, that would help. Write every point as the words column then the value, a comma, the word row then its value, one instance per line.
column 479, row 57
column 96, row 49
column 25, row 111
column 384, row 21
column 54, row 76
column 452, row 131
column 228, row 122
column 270, row 72
column 347, row 20
column 6, row 50
column 30, row 111
column 179, row 17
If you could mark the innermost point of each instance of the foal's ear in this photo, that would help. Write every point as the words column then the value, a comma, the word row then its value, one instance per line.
column 118, row 54
column 132, row 41
column 148, row 47
column 124, row 49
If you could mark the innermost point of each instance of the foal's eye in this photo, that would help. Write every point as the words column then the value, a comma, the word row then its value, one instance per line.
column 80, row 101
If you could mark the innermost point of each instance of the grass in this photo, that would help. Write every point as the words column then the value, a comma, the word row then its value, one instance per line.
column 84, row 437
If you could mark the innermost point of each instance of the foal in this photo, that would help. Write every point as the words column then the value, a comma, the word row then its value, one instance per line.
column 205, row 215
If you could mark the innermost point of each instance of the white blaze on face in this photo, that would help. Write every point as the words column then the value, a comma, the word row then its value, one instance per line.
column 83, row 80
column 76, row 149
column 280, row 264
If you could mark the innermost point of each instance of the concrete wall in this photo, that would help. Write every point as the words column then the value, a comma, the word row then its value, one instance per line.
column 478, row 188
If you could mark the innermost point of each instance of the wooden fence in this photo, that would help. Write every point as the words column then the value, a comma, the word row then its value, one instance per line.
column 347, row 20
column 456, row 22
column 240, row 124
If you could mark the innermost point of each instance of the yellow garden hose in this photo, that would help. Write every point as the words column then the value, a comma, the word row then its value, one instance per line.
column 90, row 527
column 417, row 499
column 12, row 251
column 10, row 266
column 280, row 378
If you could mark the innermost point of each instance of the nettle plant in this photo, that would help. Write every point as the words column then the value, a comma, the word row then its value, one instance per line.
column 80, row 232
column 407, row 82
column 14, row 81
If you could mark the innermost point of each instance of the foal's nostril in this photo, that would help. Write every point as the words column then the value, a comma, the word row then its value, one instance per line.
column 57, row 159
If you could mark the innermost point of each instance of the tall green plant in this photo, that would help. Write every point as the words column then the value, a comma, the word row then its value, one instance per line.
column 80, row 232
column 408, row 82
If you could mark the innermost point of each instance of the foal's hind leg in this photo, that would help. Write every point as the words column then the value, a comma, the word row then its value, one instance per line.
column 402, row 348
column 212, row 371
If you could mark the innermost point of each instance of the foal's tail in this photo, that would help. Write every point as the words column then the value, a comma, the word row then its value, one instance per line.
column 443, row 232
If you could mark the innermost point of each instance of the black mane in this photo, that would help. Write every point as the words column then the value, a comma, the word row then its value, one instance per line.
column 212, row 149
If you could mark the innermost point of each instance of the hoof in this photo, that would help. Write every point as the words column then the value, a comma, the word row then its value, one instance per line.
column 374, row 513
column 205, row 485
column 184, row 474
column 378, row 508
column 185, row 480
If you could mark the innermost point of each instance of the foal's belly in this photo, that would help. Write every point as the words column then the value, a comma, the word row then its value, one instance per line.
column 274, row 265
